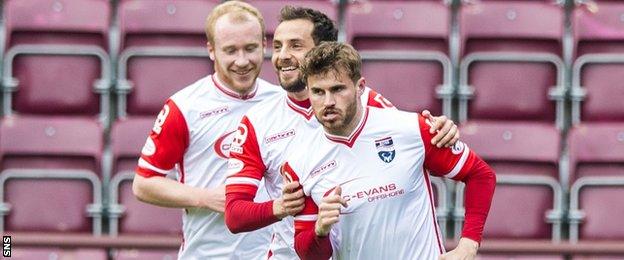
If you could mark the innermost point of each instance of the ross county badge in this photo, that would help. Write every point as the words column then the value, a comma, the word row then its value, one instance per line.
column 385, row 149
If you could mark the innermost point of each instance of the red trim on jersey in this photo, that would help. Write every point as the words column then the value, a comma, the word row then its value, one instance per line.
column 349, row 141
column 271, row 252
column 302, row 104
column 301, row 107
column 435, row 222
column 231, row 93
column 170, row 139
column 377, row 100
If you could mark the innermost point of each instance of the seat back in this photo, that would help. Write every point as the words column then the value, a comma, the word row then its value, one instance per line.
column 510, row 61
column 49, row 164
column 56, row 52
column 599, row 56
column 163, row 49
column 528, row 187
column 129, row 215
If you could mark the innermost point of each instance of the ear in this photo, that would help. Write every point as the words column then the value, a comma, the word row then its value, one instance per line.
column 360, row 85
column 211, row 50
column 264, row 46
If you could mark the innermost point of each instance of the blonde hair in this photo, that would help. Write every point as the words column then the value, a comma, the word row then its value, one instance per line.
column 238, row 9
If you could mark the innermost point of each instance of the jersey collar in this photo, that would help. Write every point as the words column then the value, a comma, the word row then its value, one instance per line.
column 350, row 140
column 227, row 91
column 301, row 107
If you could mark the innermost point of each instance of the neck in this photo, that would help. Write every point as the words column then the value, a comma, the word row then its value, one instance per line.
column 221, row 82
column 299, row 96
column 349, row 128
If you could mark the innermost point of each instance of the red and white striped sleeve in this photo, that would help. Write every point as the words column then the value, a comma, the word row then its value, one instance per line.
column 245, row 170
column 461, row 164
column 166, row 144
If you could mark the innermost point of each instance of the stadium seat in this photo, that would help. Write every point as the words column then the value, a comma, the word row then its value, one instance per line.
column 127, row 215
column 510, row 73
column 270, row 10
column 404, row 49
column 596, row 140
column 163, row 49
column 33, row 253
column 596, row 153
column 599, row 59
column 511, row 67
column 55, row 48
column 50, row 166
column 527, row 203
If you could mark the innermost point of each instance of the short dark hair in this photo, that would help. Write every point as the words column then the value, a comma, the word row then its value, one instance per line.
column 331, row 57
column 324, row 28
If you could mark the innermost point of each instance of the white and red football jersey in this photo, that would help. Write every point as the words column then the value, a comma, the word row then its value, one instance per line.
column 269, row 129
column 192, row 136
column 382, row 171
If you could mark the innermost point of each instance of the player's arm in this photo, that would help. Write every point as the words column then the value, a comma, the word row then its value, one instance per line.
column 461, row 164
column 447, row 132
column 313, row 225
column 246, row 169
column 164, row 149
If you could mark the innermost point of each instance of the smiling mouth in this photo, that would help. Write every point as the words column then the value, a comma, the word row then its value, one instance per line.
column 289, row 68
column 242, row 72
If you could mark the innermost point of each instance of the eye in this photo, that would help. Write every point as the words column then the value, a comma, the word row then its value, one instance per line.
column 251, row 48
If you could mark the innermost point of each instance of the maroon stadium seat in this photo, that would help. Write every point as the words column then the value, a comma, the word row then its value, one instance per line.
column 270, row 10
column 596, row 153
column 35, row 253
column 127, row 215
column 404, row 48
column 50, row 165
column 528, row 196
column 162, row 50
column 599, row 37
column 56, row 59
column 127, row 138
column 511, row 67
column 596, row 140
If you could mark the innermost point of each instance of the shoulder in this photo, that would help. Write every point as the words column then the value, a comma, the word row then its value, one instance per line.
column 189, row 94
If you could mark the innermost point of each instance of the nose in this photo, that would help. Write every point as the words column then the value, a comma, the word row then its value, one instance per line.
column 241, row 59
column 283, row 54
column 329, row 100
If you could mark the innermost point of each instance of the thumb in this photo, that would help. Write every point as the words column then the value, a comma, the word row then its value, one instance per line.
column 426, row 113
column 338, row 191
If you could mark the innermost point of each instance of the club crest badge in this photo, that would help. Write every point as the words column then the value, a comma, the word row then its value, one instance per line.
column 385, row 149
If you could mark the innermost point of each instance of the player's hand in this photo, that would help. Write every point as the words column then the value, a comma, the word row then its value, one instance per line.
column 291, row 202
column 329, row 212
column 466, row 250
column 214, row 199
column 448, row 134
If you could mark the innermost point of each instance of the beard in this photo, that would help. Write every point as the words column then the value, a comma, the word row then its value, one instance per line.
column 340, row 125
column 296, row 86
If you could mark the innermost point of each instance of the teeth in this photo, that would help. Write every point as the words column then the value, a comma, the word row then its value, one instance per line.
column 289, row 68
